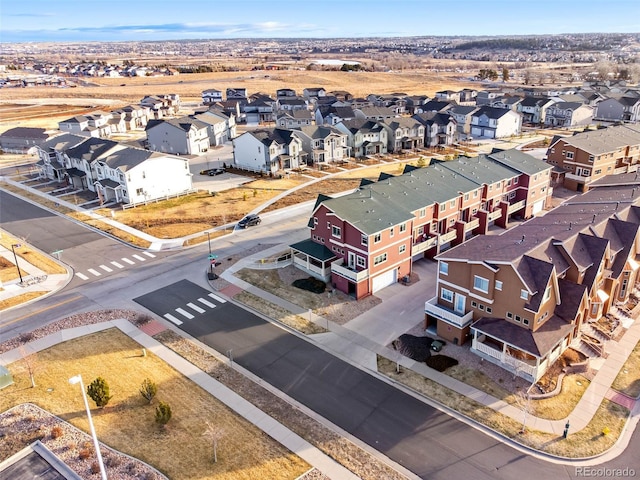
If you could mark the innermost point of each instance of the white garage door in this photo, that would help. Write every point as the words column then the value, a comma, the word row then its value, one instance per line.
column 476, row 132
column 385, row 280
column 537, row 207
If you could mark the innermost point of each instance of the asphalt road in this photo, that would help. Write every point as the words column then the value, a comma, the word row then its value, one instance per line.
column 407, row 430
column 425, row 440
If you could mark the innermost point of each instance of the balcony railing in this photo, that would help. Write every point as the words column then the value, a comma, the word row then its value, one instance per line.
column 338, row 268
column 431, row 307
column 577, row 178
column 447, row 237
column 424, row 245
column 494, row 215
column 470, row 225
column 516, row 206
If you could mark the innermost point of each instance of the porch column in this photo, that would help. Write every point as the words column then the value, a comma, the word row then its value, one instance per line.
column 475, row 339
column 504, row 352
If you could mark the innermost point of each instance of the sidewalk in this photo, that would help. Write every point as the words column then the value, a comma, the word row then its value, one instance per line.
column 360, row 350
column 235, row 402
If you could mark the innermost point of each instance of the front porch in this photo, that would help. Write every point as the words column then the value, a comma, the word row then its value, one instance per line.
column 313, row 258
column 526, row 353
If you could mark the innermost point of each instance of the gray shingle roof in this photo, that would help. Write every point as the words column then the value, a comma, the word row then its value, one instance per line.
column 597, row 142
column 519, row 161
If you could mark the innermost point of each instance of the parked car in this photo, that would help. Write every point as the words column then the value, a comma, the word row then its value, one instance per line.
column 249, row 221
column 215, row 171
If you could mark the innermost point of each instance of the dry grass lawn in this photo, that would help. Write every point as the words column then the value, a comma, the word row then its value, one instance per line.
column 127, row 423
column 20, row 299
column 560, row 406
column 588, row 442
column 628, row 380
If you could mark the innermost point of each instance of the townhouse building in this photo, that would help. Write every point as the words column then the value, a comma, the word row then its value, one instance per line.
column 211, row 95
column 569, row 114
column 294, row 118
column 522, row 298
column 491, row 122
column 364, row 137
column 585, row 157
column 182, row 136
column 367, row 240
column 403, row 133
column 115, row 172
column 269, row 150
column 323, row 144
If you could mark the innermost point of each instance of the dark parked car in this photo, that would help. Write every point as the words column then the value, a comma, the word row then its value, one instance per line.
column 215, row 171
column 249, row 221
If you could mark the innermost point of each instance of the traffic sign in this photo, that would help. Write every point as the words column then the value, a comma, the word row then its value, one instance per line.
column 212, row 256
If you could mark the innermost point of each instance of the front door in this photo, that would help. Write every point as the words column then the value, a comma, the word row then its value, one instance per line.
column 352, row 260
column 459, row 303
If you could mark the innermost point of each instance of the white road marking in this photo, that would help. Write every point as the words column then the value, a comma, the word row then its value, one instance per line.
column 149, row 254
column 217, row 298
column 126, row 260
column 82, row 276
column 173, row 319
column 94, row 272
column 195, row 307
column 184, row 312
column 207, row 303
column 105, row 268
column 116, row 264
column 138, row 257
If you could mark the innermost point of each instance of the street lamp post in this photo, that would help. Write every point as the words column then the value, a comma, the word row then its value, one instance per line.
column 15, row 257
column 73, row 381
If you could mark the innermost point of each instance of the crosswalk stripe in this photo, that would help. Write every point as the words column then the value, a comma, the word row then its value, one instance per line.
column 173, row 319
column 82, row 276
column 149, row 254
column 207, row 303
column 217, row 298
column 116, row 264
column 94, row 272
column 184, row 312
column 195, row 307
column 138, row 257
column 126, row 260
column 105, row 268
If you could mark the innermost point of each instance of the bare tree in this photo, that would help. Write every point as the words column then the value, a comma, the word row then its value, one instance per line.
column 214, row 434
column 30, row 364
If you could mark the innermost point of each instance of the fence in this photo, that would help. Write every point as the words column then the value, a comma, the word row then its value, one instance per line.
column 159, row 199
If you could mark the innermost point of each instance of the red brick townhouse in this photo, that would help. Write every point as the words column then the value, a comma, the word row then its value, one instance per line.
column 364, row 241
column 588, row 156
column 525, row 296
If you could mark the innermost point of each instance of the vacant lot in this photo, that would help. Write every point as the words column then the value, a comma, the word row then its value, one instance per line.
column 127, row 423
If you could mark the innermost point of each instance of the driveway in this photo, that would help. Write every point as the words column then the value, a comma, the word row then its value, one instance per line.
column 215, row 157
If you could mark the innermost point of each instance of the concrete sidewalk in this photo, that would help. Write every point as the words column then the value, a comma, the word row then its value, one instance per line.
column 235, row 402
column 361, row 350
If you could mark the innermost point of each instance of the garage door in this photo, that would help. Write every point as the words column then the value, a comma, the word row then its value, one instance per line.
column 476, row 132
column 385, row 279
column 537, row 207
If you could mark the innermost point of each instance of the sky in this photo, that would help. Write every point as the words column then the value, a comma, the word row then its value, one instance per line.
column 155, row 20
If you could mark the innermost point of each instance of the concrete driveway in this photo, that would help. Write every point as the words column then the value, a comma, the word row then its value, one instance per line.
column 215, row 157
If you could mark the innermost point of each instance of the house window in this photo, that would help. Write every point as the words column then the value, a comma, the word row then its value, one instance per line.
column 481, row 306
column 489, row 310
column 525, row 321
column 444, row 268
column 466, row 197
column 524, row 295
column 446, row 295
column 443, row 207
column 452, row 203
column 420, row 230
column 474, row 304
column 509, row 315
column 594, row 308
column 380, row 259
column 403, row 228
column 452, row 221
column 518, row 318
column 328, row 225
column 336, row 231
column 402, row 249
column 423, row 212
column 569, row 155
column 515, row 181
column 498, row 285
column 480, row 283
column 139, row 191
column 377, row 237
column 547, row 294
column 364, row 240
column 391, row 232
column 591, row 158
column 360, row 261
column 475, row 194
column 315, row 221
